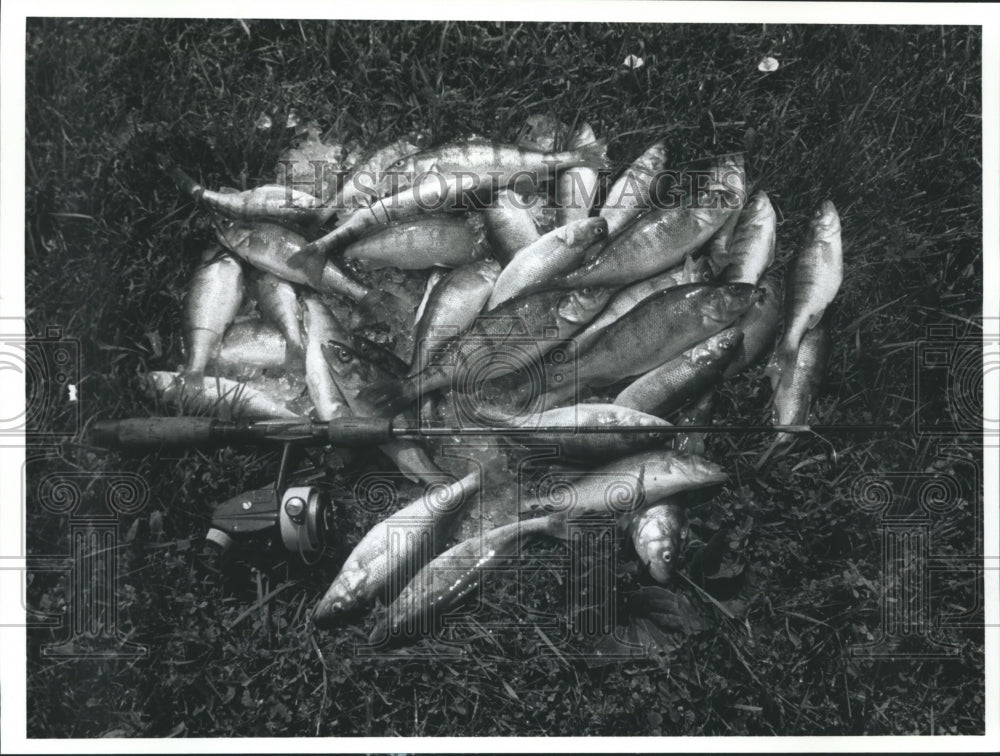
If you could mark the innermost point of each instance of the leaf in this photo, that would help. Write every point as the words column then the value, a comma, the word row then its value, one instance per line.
column 656, row 640
column 669, row 610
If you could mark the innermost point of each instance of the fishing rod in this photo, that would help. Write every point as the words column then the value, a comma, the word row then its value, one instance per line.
column 151, row 432
column 299, row 517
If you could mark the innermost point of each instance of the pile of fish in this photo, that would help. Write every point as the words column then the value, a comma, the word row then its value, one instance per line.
column 555, row 302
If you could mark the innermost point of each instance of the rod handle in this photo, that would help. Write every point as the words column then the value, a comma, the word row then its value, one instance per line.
column 146, row 432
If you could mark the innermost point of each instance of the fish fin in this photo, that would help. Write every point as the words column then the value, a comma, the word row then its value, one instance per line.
column 380, row 632
column 309, row 260
column 193, row 380
column 814, row 319
column 693, row 271
column 594, row 154
column 773, row 371
column 184, row 182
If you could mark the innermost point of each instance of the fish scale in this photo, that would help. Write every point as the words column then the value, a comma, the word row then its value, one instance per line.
column 629, row 195
column 448, row 578
column 434, row 239
column 535, row 266
column 799, row 383
column 278, row 302
column 393, row 549
column 751, row 249
column 453, row 304
column 692, row 271
column 814, row 277
column 502, row 162
column 659, row 328
column 651, row 244
column 680, row 380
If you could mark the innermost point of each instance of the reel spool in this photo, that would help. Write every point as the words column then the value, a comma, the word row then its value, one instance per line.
column 303, row 522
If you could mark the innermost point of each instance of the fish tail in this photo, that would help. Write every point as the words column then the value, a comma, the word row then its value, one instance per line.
column 554, row 525
column 187, row 184
column 333, row 241
column 594, row 154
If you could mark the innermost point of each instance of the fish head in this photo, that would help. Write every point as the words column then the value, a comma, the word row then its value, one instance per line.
column 726, row 341
column 727, row 302
column 229, row 232
column 584, row 232
column 659, row 539
column 345, row 363
column 338, row 602
column 717, row 346
column 825, row 221
column 582, row 305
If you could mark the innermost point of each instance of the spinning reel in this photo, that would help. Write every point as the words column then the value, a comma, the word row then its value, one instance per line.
column 301, row 515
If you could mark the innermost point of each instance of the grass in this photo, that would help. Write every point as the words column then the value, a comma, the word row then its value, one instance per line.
column 884, row 121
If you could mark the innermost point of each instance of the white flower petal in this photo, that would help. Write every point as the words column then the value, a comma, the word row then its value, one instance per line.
column 767, row 64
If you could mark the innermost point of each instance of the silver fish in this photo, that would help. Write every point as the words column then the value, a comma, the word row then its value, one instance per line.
column 214, row 395
column 454, row 574
column 652, row 243
column 629, row 196
column 429, row 194
column 813, row 279
column 453, row 305
column 509, row 224
column 434, row 239
column 576, row 190
column 759, row 325
column 322, row 327
column 658, row 534
column 504, row 163
column 584, row 445
column 751, row 249
column 277, row 301
column 212, row 301
column 251, row 344
column 278, row 250
column 798, row 384
column 535, row 266
column 272, row 202
column 371, row 177
column 624, row 485
column 691, row 271
column 546, row 316
column 658, row 329
column 353, row 372
column 390, row 553
column 680, row 380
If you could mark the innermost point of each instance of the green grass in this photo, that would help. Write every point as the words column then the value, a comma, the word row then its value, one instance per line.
column 883, row 121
